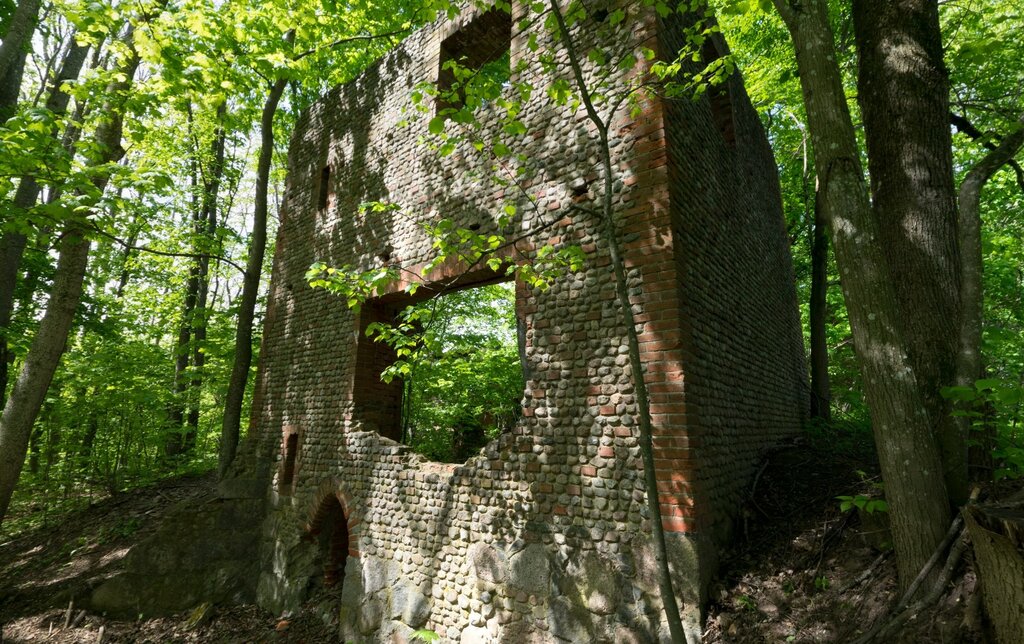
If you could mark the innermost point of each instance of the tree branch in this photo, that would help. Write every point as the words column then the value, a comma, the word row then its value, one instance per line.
column 164, row 253
column 962, row 124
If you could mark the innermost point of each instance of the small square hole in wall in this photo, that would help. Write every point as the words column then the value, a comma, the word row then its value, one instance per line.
column 324, row 189
column 482, row 47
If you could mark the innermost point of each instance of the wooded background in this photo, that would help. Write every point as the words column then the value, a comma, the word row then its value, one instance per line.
column 142, row 166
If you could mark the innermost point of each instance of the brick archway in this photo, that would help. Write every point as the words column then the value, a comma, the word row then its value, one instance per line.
column 333, row 525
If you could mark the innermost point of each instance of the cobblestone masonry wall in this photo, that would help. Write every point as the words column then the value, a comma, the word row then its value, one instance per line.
column 544, row 536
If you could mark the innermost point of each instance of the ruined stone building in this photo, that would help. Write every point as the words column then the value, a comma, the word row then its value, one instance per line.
column 544, row 536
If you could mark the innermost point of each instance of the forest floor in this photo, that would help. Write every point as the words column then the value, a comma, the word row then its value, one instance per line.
column 800, row 570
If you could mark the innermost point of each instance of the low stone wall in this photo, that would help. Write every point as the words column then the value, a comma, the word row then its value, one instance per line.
column 459, row 549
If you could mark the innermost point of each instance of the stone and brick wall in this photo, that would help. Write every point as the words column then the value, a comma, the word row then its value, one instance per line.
column 545, row 535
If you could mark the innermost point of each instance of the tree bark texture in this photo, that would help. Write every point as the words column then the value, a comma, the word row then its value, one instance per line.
column 903, row 90
column 907, row 450
column 10, row 89
column 821, row 390
column 231, row 427
column 29, row 391
column 998, row 537
column 19, row 33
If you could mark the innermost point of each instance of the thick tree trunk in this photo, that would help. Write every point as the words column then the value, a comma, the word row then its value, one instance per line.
column 907, row 450
column 231, row 426
column 821, row 390
column 19, row 33
column 10, row 89
column 997, row 533
column 29, row 391
column 903, row 90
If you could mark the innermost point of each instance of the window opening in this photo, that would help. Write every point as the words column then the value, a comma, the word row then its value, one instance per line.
column 291, row 447
column 475, row 62
column 719, row 97
column 325, row 188
column 464, row 388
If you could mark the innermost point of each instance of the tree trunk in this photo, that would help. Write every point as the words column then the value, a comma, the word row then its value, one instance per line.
column 175, row 444
column 668, row 595
column 231, row 426
column 19, row 33
column 206, row 229
column 903, row 90
column 997, row 535
column 29, row 391
column 969, row 364
column 10, row 89
column 821, row 390
column 907, row 450
column 12, row 244
column 47, row 347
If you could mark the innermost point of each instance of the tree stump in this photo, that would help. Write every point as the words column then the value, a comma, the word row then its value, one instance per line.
column 998, row 537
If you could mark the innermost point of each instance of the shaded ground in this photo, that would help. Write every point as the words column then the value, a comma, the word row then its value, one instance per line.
column 45, row 569
column 807, row 572
column 801, row 570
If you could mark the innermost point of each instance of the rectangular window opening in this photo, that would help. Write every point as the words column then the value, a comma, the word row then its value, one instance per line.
column 475, row 61
column 291, row 447
column 324, row 190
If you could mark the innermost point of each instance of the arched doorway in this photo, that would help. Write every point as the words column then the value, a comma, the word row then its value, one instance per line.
column 330, row 526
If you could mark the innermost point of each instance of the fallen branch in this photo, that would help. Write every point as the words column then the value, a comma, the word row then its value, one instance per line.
column 900, row 614
column 934, row 595
column 954, row 530
column 867, row 573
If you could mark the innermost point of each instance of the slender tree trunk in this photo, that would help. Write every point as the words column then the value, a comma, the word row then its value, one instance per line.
column 903, row 90
column 821, row 390
column 668, row 595
column 125, row 275
column 175, row 443
column 29, row 391
column 231, row 426
column 206, row 229
column 12, row 244
column 47, row 347
column 908, row 453
column 969, row 363
column 34, row 449
column 88, row 440
column 19, row 33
